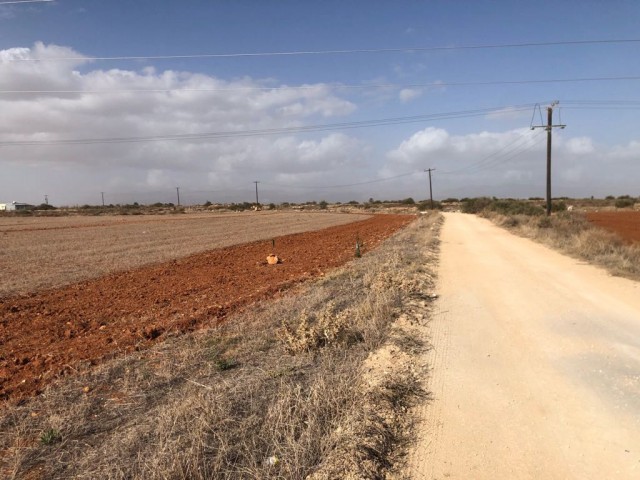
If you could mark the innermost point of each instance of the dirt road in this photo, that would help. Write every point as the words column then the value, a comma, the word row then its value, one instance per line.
column 535, row 364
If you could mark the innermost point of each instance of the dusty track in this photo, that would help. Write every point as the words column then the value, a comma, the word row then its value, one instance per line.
column 535, row 364
column 60, row 331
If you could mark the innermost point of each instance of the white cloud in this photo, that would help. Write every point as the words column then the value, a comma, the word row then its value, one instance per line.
column 576, row 145
column 513, row 163
column 508, row 113
column 407, row 94
column 182, row 103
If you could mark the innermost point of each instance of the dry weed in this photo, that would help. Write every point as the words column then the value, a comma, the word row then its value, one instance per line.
column 572, row 234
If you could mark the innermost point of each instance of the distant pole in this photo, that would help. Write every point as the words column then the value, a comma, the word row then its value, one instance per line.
column 257, row 202
column 102, row 193
column 549, row 123
column 178, row 192
column 46, row 199
column 549, row 127
column 430, row 188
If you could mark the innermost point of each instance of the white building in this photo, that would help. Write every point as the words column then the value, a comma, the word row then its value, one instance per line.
column 13, row 206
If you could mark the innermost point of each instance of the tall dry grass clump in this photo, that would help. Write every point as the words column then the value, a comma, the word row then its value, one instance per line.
column 275, row 392
column 573, row 234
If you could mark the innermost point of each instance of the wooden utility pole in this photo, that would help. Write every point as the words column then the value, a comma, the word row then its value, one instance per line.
column 178, row 192
column 257, row 202
column 430, row 189
column 549, row 127
column 102, row 193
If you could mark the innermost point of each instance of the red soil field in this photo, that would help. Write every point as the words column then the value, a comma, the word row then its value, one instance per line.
column 625, row 224
column 56, row 332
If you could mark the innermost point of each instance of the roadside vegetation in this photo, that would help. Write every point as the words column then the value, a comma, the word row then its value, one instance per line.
column 285, row 389
column 569, row 232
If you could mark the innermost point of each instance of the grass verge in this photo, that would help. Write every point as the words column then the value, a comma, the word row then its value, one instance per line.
column 286, row 389
column 572, row 234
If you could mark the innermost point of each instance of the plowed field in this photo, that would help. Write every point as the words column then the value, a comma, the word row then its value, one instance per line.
column 625, row 224
column 59, row 331
column 42, row 253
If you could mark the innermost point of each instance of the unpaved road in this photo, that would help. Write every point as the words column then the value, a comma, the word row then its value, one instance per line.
column 535, row 364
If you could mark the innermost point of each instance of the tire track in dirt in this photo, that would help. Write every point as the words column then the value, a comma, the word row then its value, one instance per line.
column 535, row 364
column 60, row 331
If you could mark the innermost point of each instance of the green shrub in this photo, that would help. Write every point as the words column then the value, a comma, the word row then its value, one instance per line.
column 475, row 205
column 624, row 202
column 50, row 436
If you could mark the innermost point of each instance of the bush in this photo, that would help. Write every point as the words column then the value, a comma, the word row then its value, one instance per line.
column 624, row 202
column 323, row 205
column 45, row 206
column 408, row 201
column 475, row 205
column 426, row 205
column 505, row 207
column 515, row 207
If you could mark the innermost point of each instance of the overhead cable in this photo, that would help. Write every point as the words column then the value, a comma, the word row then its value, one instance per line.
column 333, row 86
column 272, row 131
column 334, row 52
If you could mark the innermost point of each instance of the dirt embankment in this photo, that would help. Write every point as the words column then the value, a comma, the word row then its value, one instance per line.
column 57, row 332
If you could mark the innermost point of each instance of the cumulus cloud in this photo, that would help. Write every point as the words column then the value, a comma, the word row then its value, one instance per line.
column 161, row 104
column 513, row 163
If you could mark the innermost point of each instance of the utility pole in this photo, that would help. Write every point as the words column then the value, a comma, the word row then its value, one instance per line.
column 257, row 202
column 102, row 193
column 46, row 199
column 430, row 189
column 178, row 192
column 549, row 127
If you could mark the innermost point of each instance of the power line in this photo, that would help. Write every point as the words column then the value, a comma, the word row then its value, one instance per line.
column 273, row 131
column 336, row 52
column 334, row 86
column 26, row 1
column 345, row 185
column 490, row 160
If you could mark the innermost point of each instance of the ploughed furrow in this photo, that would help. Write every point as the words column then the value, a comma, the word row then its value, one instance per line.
column 57, row 332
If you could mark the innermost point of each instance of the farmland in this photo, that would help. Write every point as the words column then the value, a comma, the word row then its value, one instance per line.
column 41, row 253
column 50, row 333
column 269, row 371
column 624, row 224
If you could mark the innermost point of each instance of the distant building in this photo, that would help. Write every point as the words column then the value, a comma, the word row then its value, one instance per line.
column 14, row 206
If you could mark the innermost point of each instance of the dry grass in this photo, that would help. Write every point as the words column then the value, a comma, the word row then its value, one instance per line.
column 46, row 252
column 572, row 234
column 276, row 392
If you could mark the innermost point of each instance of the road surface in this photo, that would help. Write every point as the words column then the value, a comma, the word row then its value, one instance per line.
column 535, row 365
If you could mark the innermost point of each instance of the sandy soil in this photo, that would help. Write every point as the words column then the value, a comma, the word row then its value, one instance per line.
column 535, row 364
column 58, row 332
column 625, row 224
column 47, row 252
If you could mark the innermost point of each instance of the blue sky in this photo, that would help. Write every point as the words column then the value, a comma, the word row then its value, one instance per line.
column 491, row 153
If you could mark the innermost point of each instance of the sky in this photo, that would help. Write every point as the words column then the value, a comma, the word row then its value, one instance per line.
column 332, row 100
